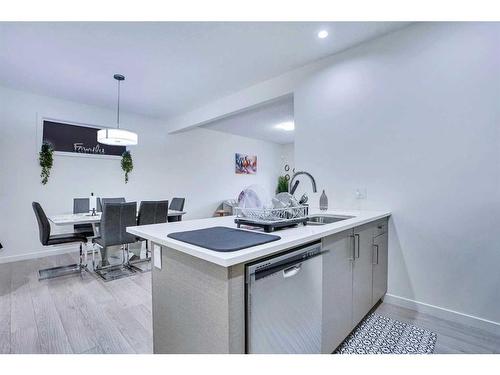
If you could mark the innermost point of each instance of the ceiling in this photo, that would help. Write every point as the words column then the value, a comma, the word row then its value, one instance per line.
column 170, row 67
column 260, row 122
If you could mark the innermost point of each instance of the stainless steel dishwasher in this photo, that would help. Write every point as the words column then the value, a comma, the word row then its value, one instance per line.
column 284, row 302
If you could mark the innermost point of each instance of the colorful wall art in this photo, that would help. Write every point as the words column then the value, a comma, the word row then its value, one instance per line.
column 245, row 164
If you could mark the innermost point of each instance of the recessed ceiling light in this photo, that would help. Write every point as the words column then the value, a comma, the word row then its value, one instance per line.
column 287, row 126
column 322, row 34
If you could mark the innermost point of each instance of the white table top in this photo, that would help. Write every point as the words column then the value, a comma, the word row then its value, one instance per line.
column 72, row 219
column 290, row 238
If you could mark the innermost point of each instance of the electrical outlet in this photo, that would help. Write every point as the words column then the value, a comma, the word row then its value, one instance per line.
column 360, row 193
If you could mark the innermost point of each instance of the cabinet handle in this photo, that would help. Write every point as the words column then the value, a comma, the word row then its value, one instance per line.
column 353, row 245
column 375, row 247
column 357, row 236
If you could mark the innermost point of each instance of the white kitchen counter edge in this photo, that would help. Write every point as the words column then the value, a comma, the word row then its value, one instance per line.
column 289, row 237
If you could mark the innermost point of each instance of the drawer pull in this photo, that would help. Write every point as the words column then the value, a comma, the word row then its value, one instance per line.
column 375, row 247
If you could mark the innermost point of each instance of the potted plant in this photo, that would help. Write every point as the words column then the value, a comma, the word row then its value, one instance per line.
column 282, row 185
column 46, row 160
column 127, row 164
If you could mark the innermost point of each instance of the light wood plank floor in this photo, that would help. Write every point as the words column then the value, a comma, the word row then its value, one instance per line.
column 72, row 314
column 86, row 315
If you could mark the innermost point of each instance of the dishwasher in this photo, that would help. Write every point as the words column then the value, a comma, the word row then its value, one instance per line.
column 284, row 302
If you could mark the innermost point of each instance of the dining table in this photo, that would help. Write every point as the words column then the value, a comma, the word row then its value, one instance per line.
column 94, row 220
column 89, row 218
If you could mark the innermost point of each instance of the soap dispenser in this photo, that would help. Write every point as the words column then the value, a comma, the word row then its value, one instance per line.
column 323, row 201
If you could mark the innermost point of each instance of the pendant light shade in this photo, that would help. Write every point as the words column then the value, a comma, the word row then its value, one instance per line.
column 117, row 136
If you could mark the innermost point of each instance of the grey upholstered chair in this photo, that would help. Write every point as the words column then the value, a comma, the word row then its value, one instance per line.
column 47, row 239
column 100, row 203
column 177, row 204
column 103, row 201
column 80, row 206
column 150, row 212
column 115, row 218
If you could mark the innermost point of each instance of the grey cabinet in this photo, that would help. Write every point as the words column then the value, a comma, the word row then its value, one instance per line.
column 380, row 256
column 362, row 272
column 354, row 279
column 337, row 290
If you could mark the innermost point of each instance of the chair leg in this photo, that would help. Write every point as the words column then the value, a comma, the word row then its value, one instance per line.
column 81, row 257
column 116, row 271
column 140, row 261
column 93, row 258
column 50, row 273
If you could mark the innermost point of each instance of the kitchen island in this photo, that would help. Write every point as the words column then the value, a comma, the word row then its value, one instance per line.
column 199, row 295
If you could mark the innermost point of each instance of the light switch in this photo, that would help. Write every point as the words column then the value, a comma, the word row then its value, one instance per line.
column 157, row 256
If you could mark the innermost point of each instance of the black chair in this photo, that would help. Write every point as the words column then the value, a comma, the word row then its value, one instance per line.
column 101, row 202
column 150, row 212
column 80, row 206
column 47, row 239
column 177, row 204
column 115, row 218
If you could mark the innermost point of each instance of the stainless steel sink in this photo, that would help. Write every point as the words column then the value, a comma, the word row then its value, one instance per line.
column 326, row 219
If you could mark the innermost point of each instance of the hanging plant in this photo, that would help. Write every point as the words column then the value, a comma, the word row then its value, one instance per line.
column 282, row 185
column 127, row 164
column 46, row 159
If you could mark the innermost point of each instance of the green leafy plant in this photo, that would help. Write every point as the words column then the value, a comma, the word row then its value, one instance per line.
column 282, row 185
column 127, row 164
column 46, row 160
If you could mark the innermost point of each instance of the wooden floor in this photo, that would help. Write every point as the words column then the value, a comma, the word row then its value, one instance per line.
column 86, row 315
column 72, row 314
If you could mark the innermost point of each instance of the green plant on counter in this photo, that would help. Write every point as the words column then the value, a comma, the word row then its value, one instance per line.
column 127, row 164
column 282, row 185
column 46, row 160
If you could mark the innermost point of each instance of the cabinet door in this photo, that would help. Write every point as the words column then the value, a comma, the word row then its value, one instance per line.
column 380, row 255
column 337, row 290
column 362, row 272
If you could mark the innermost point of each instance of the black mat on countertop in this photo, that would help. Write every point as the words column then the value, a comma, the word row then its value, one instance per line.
column 223, row 239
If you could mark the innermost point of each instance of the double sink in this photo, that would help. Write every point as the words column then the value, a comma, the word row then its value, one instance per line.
column 320, row 219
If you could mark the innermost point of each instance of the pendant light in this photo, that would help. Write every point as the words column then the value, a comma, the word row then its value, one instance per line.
column 117, row 137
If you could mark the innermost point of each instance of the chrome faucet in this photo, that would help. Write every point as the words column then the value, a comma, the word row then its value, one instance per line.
column 313, row 181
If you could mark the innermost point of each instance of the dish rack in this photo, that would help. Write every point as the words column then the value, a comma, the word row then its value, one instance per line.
column 271, row 218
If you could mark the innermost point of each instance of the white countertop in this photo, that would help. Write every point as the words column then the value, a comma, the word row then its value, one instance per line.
column 292, row 237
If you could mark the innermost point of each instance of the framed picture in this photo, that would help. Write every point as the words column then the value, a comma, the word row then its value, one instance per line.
column 73, row 139
column 245, row 164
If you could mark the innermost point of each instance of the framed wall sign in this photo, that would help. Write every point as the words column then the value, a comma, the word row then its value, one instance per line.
column 73, row 139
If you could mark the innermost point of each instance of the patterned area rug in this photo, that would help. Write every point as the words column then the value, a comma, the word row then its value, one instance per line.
column 377, row 334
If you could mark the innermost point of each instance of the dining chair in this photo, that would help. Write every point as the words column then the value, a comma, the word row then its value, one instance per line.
column 150, row 212
column 47, row 239
column 177, row 204
column 115, row 218
column 103, row 201
column 80, row 206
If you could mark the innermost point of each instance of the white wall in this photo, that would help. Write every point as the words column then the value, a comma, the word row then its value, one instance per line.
column 413, row 117
column 287, row 158
column 198, row 165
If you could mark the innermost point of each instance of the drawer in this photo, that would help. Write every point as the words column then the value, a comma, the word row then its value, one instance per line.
column 380, row 228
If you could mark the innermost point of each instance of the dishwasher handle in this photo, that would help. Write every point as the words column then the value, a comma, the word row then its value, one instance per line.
column 292, row 271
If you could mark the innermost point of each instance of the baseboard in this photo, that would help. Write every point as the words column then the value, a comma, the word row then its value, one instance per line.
column 56, row 250
column 446, row 314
